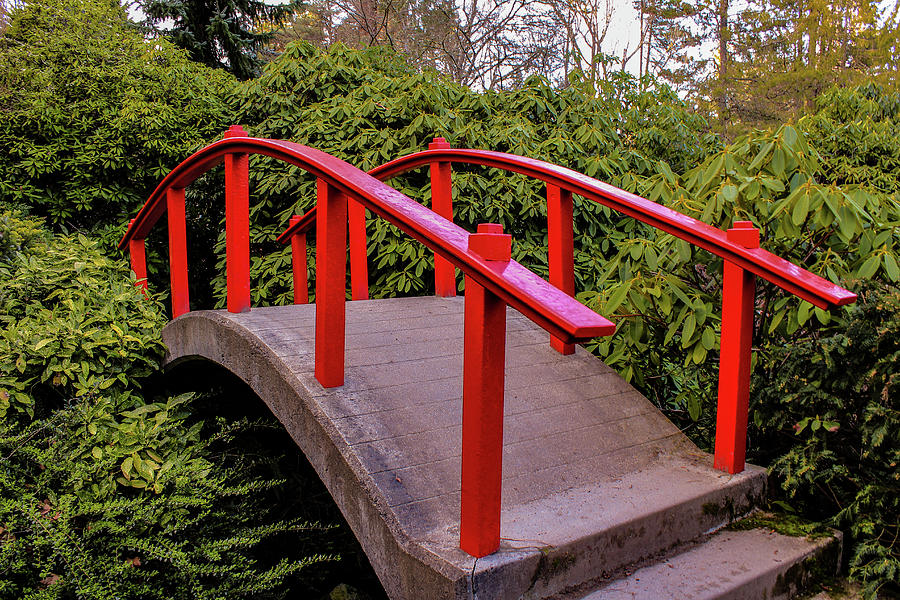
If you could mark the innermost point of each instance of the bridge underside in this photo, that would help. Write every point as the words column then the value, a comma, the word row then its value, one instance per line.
column 595, row 478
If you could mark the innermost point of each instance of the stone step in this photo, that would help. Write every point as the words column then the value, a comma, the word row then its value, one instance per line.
column 729, row 565
column 577, row 539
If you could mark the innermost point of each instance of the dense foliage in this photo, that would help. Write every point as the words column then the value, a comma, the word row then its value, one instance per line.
column 367, row 107
column 834, row 400
column 108, row 490
column 225, row 35
column 93, row 115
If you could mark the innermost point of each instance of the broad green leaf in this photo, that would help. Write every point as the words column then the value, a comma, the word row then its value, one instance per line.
column 687, row 331
column 891, row 267
column 869, row 267
column 693, row 407
column 801, row 209
column 709, row 338
column 617, row 297
column 730, row 193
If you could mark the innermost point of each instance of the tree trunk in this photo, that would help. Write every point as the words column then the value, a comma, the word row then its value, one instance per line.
column 722, row 14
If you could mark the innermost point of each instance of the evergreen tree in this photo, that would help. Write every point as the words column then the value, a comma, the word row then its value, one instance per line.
column 789, row 52
column 224, row 34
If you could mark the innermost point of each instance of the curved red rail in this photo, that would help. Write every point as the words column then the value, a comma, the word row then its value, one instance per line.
column 534, row 297
column 783, row 273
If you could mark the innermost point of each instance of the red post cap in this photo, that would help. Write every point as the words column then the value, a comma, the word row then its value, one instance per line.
column 745, row 234
column 438, row 143
column 235, row 131
column 490, row 243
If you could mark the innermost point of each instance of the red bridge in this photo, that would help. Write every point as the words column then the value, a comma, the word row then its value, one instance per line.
column 400, row 405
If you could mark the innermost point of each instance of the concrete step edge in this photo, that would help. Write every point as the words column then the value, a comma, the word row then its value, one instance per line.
column 581, row 561
column 729, row 564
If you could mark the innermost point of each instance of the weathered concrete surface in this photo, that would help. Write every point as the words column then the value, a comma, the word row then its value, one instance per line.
column 731, row 565
column 594, row 476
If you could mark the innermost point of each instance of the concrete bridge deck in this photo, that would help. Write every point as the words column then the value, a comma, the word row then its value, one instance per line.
column 595, row 478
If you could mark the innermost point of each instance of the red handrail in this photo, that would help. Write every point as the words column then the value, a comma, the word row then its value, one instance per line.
column 492, row 282
column 515, row 284
column 739, row 247
column 783, row 273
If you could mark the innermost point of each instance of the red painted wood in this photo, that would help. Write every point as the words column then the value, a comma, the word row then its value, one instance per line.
column 484, row 348
column 794, row 279
column 137, row 254
column 490, row 243
column 442, row 204
column 178, row 265
column 302, row 225
column 331, row 281
column 534, row 297
column 738, row 297
column 298, row 265
column 237, row 232
column 561, row 249
column 359, row 268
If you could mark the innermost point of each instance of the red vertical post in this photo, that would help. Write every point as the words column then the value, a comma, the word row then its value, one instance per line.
column 359, row 269
column 138, row 256
column 237, row 226
column 561, row 249
column 484, row 347
column 331, row 281
column 738, row 296
column 178, row 266
column 298, row 265
column 442, row 204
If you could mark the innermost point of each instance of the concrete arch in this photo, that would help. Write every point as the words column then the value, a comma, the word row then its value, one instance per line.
column 581, row 447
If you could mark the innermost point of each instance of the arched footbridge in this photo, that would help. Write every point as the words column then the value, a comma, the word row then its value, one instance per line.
column 471, row 458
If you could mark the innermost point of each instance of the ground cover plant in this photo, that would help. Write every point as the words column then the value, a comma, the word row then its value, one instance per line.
column 109, row 487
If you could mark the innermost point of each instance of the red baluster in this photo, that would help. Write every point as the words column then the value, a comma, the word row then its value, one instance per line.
column 484, row 347
column 178, row 266
column 138, row 256
column 359, row 269
column 561, row 249
column 298, row 264
column 738, row 297
column 237, row 226
column 331, row 281
column 442, row 204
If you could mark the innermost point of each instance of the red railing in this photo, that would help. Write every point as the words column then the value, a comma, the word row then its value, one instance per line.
column 493, row 281
column 739, row 247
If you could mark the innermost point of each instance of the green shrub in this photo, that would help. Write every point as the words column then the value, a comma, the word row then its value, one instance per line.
column 368, row 107
column 72, row 321
column 858, row 134
column 107, row 491
column 831, row 430
column 110, row 497
column 93, row 115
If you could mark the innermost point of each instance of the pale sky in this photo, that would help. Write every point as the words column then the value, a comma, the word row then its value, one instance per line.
column 624, row 31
